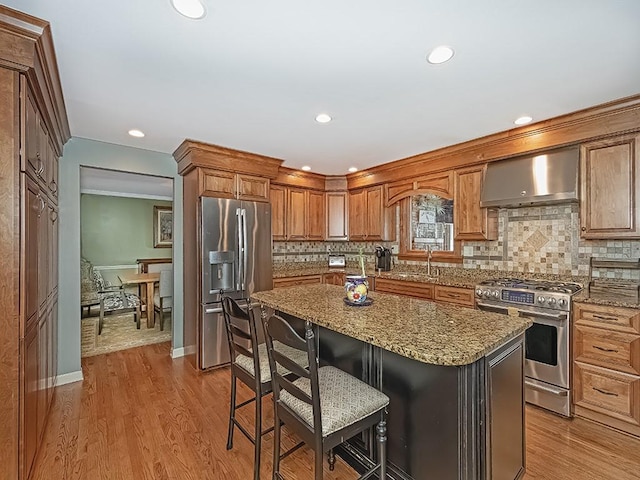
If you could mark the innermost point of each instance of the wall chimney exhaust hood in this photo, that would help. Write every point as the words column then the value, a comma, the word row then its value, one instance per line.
column 542, row 179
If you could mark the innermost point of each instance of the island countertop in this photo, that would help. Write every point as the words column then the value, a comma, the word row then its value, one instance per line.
column 418, row 329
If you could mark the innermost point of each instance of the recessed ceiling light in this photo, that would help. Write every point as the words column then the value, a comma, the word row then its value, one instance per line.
column 306, row 168
column 440, row 54
column 353, row 169
column 136, row 133
column 523, row 120
column 323, row 118
column 193, row 9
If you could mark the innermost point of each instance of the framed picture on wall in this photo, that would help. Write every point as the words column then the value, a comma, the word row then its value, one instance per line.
column 162, row 227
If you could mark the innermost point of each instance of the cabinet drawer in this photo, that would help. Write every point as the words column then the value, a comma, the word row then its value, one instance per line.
column 400, row 287
column 620, row 319
column 301, row 280
column 457, row 295
column 607, row 392
column 606, row 348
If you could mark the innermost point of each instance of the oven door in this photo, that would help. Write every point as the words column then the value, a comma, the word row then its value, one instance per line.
column 547, row 348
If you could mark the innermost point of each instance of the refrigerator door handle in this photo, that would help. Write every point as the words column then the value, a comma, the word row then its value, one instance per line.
column 213, row 310
column 244, row 248
column 240, row 249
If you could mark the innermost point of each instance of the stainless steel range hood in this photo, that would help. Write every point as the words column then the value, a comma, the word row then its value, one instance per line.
column 542, row 179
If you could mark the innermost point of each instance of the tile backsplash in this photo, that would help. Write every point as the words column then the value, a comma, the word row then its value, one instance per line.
column 536, row 239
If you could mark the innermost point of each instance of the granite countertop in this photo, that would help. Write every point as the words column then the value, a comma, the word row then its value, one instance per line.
column 452, row 277
column 414, row 328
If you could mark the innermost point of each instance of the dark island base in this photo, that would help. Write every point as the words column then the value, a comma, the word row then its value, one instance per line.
column 438, row 415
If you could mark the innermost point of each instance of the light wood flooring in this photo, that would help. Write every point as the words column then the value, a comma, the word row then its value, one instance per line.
column 138, row 414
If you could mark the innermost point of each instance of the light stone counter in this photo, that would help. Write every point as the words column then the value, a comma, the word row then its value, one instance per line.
column 418, row 329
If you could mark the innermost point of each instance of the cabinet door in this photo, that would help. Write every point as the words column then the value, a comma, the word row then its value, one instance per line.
column 215, row 183
column 296, row 211
column 278, row 198
column 609, row 188
column 374, row 213
column 357, row 215
column 53, row 249
column 52, row 180
column 31, row 162
column 42, row 373
column 33, row 203
column 470, row 221
column 337, row 216
column 315, row 215
column 30, row 414
column 43, row 251
column 253, row 188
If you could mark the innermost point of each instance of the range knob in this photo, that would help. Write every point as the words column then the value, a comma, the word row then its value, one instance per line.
column 552, row 301
column 541, row 299
column 562, row 302
column 479, row 293
column 495, row 294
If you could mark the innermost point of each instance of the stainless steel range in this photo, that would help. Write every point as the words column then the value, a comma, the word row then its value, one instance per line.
column 547, row 342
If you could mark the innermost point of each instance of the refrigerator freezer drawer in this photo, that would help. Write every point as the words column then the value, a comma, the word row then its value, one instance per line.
column 214, row 347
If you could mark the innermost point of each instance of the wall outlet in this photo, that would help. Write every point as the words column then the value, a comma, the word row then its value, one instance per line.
column 395, row 250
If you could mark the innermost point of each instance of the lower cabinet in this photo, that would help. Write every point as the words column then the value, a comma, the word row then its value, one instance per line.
column 333, row 278
column 428, row 291
column 606, row 367
column 299, row 280
column 30, row 397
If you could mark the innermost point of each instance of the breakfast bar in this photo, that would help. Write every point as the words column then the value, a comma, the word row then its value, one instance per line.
column 454, row 377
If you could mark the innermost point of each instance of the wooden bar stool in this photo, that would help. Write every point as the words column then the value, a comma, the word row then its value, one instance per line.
column 324, row 406
column 249, row 364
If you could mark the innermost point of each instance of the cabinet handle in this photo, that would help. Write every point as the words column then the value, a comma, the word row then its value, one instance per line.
column 43, row 205
column 53, row 215
column 453, row 295
column 606, row 349
column 604, row 392
column 602, row 317
column 53, row 186
column 40, row 168
column 584, row 229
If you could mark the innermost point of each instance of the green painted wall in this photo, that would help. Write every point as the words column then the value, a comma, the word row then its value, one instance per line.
column 118, row 230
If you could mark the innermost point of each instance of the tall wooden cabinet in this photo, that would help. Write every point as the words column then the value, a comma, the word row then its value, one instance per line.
column 610, row 188
column 369, row 219
column 33, row 130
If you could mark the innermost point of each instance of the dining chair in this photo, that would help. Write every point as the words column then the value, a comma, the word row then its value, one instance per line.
column 163, row 297
column 249, row 364
column 114, row 298
column 324, row 405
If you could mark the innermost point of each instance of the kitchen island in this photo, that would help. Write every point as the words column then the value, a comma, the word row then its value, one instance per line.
column 454, row 376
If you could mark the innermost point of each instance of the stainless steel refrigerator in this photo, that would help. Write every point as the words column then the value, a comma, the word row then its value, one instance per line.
column 236, row 261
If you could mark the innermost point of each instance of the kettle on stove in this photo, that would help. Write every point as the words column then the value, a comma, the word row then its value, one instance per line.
column 383, row 259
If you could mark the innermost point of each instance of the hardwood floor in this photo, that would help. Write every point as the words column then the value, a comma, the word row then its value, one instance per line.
column 141, row 415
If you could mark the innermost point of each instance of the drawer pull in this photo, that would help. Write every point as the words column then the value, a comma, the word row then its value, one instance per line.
column 606, row 349
column 604, row 392
column 602, row 317
column 453, row 295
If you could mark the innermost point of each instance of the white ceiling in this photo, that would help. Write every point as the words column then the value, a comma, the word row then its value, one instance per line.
column 253, row 74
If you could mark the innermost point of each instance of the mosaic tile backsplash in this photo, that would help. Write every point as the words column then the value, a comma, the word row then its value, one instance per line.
column 538, row 239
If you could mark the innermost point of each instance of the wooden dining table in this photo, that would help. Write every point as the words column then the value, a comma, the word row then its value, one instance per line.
column 148, row 280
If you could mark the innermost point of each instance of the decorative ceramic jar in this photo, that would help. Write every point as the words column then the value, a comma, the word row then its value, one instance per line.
column 356, row 288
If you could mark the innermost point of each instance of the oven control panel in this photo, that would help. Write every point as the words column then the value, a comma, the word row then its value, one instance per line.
column 506, row 296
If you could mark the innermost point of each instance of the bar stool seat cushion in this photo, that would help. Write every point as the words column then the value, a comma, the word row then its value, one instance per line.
column 343, row 399
column 298, row 356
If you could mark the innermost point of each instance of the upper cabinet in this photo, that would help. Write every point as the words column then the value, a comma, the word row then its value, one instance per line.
column 610, row 184
column 369, row 219
column 470, row 221
column 222, row 184
column 337, row 216
column 297, row 213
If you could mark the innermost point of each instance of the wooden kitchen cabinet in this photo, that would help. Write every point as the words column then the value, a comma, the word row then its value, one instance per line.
column 333, row 278
column 610, row 185
column 402, row 287
column 470, row 221
column 606, row 365
column 456, row 295
column 369, row 219
column 223, row 184
column 296, row 280
column 337, row 216
column 297, row 213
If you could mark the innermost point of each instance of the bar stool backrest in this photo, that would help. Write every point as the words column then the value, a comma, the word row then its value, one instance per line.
column 241, row 332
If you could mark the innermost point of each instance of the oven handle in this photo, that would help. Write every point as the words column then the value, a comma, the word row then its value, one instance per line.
column 553, row 391
column 525, row 313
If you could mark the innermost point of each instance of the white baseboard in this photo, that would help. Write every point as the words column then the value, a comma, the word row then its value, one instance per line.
column 70, row 377
column 177, row 352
